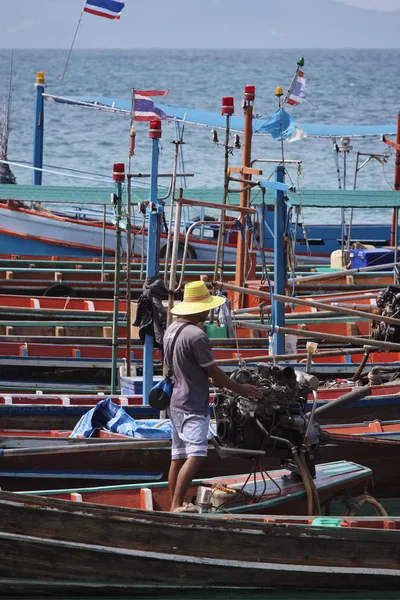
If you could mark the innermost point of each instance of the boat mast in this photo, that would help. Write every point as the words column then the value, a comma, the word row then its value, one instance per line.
column 396, row 146
column 6, row 175
column 244, row 244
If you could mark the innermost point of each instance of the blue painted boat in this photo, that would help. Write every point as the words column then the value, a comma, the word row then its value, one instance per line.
column 24, row 230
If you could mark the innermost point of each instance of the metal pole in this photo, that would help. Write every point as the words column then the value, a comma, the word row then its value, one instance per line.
column 396, row 242
column 174, row 257
column 396, row 181
column 249, row 96
column 171, row 210
column 38, row 132
column 103, row 242
column 280, row 271
column 128, row 279
column 119, row 177
column 153, row 244
column 227, row 109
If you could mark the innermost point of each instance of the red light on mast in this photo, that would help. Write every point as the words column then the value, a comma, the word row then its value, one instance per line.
column 228, row 105
column 249, row 93
column 155, row 129
column 119, row 172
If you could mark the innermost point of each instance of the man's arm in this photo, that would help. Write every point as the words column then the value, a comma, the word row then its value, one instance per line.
column 223, row 380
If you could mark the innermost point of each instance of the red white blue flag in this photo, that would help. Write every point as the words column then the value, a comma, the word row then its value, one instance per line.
column 297, row 90
column 143, row 107
column 111, row 9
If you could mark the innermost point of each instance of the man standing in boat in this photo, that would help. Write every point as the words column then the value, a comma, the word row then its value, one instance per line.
column 192, row 364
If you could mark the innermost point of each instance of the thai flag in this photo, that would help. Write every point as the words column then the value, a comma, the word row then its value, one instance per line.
column 111, row 9
column 144, row 108
column 297, row 90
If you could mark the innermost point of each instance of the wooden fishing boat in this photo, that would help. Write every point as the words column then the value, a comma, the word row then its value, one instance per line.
column 389, row 430
column 63, row 411
column 252, row 492
column 42, row 459
column 120, row 550
column 30, row 438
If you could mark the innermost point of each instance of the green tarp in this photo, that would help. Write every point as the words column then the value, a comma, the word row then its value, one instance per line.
column 102, row 195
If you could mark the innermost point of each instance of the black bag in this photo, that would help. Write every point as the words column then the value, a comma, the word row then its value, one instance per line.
column 160, row 394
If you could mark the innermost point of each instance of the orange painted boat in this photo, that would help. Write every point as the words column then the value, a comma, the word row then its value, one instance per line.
column 389, row 430
column 238, row 494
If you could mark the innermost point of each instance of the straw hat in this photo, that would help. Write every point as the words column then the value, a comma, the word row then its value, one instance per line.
column 196, row 299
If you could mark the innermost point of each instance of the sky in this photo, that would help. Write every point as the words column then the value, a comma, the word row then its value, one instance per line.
column 193, row 24
column 387, row 5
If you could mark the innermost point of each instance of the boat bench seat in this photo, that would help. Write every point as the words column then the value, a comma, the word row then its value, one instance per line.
column 146, row 499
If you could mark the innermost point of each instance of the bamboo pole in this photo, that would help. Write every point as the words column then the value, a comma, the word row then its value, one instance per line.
column 242, row 290
column 337, row 309
column 286, row 357
column 331, row 298
column 291, row 300
column 321, row 336
column 339, row 274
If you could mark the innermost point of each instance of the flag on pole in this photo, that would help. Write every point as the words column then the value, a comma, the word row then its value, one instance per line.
column 111, row 9
column 297, row 89
column 143, row 107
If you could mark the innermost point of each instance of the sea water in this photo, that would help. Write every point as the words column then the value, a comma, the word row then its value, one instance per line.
column 345, row 87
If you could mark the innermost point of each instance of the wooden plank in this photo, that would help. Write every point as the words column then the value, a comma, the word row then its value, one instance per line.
column 245, row 170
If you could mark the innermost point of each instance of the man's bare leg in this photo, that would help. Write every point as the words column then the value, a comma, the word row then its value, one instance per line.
column 184, row 478
column 175, row 467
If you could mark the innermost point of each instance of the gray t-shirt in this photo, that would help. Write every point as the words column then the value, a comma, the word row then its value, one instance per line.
column 192, row 353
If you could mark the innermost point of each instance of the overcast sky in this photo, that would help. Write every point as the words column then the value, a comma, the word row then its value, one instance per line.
column 374, row 4
column 170, row 23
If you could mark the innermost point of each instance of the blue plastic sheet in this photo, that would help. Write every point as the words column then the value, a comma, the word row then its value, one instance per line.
column 109, row 416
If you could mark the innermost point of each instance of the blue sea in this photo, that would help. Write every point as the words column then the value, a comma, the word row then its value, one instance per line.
column 345, row 86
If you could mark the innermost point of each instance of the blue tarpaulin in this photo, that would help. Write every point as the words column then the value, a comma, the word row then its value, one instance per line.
column 111, row 417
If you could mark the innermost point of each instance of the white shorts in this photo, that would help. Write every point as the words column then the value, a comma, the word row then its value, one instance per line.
column 189, row 434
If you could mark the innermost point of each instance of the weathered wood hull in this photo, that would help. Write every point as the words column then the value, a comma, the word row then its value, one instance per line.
column 123, row 549
column 150, row 462
column 255, row 493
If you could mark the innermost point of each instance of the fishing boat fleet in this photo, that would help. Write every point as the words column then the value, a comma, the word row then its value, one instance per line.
column 298, row 485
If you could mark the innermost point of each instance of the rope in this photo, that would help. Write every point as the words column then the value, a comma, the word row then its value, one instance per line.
column 353, row 505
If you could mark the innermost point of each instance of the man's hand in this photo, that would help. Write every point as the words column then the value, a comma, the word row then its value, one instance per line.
column 222, row 380
column 251, row 391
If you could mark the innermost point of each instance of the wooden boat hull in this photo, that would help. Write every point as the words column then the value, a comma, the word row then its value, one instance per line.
column 32, row 232
column 40, row 413
column 279, row 493
column 150, row 460
column 121, row 549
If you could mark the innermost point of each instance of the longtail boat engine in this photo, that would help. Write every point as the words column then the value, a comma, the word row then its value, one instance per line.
column 388, row 305
column 277, row 424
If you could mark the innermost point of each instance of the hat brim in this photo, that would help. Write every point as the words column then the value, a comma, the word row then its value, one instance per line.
column 194, row 308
